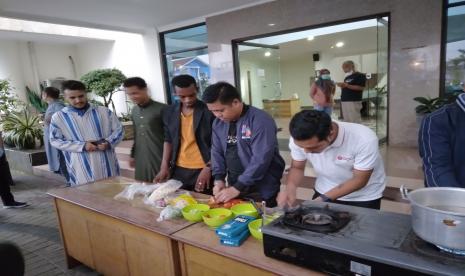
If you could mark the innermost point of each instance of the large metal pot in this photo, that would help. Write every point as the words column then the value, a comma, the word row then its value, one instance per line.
column 438, row 215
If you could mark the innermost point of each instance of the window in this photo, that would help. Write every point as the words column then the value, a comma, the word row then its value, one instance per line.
column 185, row 51
column 455, row 47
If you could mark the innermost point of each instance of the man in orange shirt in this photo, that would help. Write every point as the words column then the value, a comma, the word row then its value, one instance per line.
column 188, row 129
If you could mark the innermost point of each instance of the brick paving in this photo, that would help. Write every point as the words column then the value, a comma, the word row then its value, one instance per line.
column 34, row 229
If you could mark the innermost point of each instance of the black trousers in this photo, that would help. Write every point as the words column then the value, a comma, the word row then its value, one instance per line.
column 188, row 177
column 372, row 204
column 5, row 181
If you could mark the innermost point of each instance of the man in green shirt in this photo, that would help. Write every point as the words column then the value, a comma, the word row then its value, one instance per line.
column 147, row 150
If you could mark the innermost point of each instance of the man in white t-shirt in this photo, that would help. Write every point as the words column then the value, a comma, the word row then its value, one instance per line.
column 345, row 157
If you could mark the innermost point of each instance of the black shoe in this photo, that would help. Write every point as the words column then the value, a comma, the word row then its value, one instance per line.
column 15, row 204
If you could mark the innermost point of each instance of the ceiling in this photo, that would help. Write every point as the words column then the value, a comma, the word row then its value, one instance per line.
column 43, row 38
column 126, row 15
column 355, row 42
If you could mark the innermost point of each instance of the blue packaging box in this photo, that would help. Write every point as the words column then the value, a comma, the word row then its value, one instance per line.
column 234, row 227
column 236, row 241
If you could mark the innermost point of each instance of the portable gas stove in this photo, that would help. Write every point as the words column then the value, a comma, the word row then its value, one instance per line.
column 345, row 240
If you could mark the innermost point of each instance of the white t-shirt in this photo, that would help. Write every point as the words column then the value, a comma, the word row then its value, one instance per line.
column 355, row 147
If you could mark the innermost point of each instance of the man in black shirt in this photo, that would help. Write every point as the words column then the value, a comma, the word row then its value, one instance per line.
column 351, row 92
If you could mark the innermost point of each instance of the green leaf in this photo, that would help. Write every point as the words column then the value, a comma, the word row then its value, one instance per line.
column 422, row 100
column 104, row 83
column 22, row 129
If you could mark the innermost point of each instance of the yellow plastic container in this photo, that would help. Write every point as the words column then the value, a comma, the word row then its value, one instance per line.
column 217, row 217
column 194, row 212
column 187, row 198
column 246, row 209
column 255, row 229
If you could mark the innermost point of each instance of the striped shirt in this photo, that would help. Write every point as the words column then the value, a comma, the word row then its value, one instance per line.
column 69, row 131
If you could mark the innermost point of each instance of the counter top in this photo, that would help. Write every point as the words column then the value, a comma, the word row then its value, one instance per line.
column 98, row 197
column 250, row 252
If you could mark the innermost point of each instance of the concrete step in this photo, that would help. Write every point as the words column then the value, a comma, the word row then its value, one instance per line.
column 125, row 170
column 123, row 156
column 123, row 150
column 44, row 172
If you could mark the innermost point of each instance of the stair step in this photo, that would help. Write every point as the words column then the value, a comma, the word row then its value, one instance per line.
column 125, row 169
column 43, row 171
column 123, row 157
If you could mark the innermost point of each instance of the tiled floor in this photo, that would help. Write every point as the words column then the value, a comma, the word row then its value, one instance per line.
column 34, row 228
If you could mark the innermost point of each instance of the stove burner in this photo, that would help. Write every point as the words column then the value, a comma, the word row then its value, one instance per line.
column 457, row 252
column 431, row 251
column 316, row 219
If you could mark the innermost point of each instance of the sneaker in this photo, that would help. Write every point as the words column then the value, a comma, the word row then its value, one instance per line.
column 15, row 204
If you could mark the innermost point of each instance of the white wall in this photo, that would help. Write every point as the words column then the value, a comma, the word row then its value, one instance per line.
column 133, row 54
column 53, row 60
column 295, row 77
column 10, row 65
column 16, row 63
column 264, row 73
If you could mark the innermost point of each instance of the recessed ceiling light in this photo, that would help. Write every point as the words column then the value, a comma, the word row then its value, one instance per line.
column 339, row 44
column 271, row 24
column 267, row 53
column 332, row 47
column 310, row 38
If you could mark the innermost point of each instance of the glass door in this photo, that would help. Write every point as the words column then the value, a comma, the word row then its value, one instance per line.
column 260, row 77
column 381, row 88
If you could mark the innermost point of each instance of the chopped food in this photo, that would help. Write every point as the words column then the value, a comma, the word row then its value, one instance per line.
column 214, row 204
column 231, row 203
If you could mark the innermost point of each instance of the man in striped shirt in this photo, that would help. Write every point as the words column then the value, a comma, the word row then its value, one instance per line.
column 87, row 135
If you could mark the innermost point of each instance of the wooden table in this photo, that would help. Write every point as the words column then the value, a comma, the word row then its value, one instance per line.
column 202, row 254
column 115, row 237
column 119, row 237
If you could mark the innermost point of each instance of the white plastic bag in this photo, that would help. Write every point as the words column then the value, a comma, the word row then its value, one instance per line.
column 165, row 189
column 136, row 189
column 169, row 212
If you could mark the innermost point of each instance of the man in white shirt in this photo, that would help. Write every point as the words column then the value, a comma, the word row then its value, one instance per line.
column 345, row 157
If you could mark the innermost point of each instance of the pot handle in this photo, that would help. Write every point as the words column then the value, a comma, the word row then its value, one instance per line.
column 404, row 192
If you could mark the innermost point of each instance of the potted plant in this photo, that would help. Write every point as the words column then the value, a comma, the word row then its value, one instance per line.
column 104, row 83
column 36, row 101
column 428, row 104
column 126, row 121
column 22, row 129
column 7, row 100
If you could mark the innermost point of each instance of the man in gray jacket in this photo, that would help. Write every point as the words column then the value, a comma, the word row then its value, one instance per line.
column 244, row 148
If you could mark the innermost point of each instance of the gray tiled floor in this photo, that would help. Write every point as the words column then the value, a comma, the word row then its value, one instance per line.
column 34, row 228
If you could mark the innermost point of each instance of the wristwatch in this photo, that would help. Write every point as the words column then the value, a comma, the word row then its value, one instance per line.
column 325, row 198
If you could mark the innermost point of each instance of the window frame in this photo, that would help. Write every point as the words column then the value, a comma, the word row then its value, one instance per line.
column 443, row 53
column 163, row 55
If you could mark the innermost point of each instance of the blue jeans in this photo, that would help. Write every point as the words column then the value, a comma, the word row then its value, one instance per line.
column 327, row 109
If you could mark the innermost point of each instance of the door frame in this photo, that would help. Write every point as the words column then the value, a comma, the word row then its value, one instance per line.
column 236, row 42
